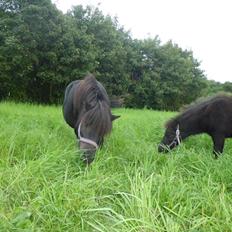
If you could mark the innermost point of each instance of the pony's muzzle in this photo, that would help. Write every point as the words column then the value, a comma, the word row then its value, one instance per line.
column 163, row 148
column 87, row 152
column 88, row 156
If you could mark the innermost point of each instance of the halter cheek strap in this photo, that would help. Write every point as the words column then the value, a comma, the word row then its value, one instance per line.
column 178, row 134
column 177, row 137
column 85, row 140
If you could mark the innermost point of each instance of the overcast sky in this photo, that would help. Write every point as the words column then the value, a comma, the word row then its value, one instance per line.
column 204, row 26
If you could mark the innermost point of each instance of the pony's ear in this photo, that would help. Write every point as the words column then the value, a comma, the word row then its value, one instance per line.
column 113, row 117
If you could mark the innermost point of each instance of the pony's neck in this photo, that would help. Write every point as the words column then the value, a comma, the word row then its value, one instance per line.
column 189, row 126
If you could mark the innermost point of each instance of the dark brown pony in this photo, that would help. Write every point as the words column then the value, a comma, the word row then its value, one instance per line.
column 87, row 110
column 212, row 116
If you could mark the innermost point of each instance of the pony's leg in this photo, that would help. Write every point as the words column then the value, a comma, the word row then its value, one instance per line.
column 218, row 141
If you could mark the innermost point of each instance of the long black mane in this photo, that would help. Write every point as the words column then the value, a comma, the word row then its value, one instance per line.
column 195, row 109
column 97, row 105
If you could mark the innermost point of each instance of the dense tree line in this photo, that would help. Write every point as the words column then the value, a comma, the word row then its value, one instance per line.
column 41, row 50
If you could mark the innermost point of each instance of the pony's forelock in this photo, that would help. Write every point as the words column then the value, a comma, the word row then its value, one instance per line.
column 99, row 118
column 98, row 114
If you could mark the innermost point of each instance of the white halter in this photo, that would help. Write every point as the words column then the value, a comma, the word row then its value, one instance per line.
column 85, row 140
column 177, row 137
column 178, row 134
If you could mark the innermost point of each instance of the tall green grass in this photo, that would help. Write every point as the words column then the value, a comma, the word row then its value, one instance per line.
column 129, row 187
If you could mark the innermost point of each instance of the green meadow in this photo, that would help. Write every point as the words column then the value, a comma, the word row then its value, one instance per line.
column 129, row 187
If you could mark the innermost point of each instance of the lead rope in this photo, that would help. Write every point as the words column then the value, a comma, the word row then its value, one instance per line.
column 85, row 140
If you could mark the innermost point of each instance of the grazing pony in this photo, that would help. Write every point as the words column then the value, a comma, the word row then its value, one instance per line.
column 86, row 109
column 212, row 116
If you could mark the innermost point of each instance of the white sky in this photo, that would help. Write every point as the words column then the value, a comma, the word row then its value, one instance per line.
column 204, row 26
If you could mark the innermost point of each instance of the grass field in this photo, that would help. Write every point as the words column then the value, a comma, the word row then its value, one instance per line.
column 129, row 187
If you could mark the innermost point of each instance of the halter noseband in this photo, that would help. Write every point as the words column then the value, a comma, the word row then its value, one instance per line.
column 85, row 140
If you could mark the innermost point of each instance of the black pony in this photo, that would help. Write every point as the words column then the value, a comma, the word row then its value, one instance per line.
column 86, row 108
column 212, row 116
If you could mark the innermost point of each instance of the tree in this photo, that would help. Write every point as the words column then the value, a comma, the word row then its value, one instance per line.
column 103, row 44
column 165, row 75
column 42, row 50
column 227, row 87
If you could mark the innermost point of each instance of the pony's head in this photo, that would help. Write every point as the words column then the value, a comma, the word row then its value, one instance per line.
column 95, row 118
column 171, row 137
column 91, row 131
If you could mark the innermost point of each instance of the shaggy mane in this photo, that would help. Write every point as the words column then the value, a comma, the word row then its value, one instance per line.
column 195, row 107
column 97, row 104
